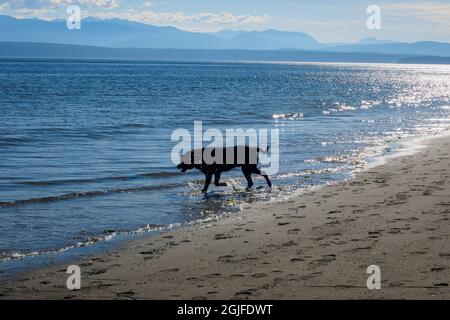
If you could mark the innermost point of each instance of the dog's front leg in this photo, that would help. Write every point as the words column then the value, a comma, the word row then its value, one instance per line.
column 208, row 178
column 217, row 180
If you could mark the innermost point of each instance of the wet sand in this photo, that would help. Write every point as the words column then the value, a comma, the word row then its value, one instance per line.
column 313, row 245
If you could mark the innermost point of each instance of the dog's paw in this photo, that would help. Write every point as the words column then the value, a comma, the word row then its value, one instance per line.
column 222, row 184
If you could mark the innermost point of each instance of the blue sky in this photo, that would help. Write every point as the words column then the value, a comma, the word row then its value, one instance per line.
column 326, row 20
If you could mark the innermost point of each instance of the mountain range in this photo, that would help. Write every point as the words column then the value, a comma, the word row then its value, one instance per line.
column 116, row 33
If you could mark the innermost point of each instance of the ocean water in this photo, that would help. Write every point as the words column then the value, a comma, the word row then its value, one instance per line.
column 85, row 146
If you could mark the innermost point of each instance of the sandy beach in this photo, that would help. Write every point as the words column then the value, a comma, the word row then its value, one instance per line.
column 315, row 245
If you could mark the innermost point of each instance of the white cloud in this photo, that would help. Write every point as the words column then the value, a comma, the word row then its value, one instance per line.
column 180, row 18
column 60, row 2
column 41, row 13
column 98, row 3
column 205, row 21
column 52, row 4
column 5, row 6
column 437, row 13
column 147, row 4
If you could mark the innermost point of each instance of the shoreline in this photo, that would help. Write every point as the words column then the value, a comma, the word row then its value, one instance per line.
column 314, row 244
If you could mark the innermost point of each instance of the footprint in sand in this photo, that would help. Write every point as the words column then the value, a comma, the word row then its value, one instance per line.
column 126, row 294
column 244, row 294
column 442, row 284
column 293, row 231
column 236, row 275
column 438, row 269
column 325, row 260
column 169, row 270
column 394, row 231
column 289, row 244
column 234, row 259
column 97, row 271
column 419, row 252
column 222, row 236
column 151, row 252
column 297, row 259
column 259, row 275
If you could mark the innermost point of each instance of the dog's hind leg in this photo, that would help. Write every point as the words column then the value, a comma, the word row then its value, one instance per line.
column 208, row 178
column 247, row 171
column 257, row 171
column 217, row 180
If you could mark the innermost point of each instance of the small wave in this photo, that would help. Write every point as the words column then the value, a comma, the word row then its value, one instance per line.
column 342, row 159
column 12, row 140
column 339, row 108
column 110, row 235
column 159, row 174
column 102, row 179
column 106, row 236
column 134, row 125
column 342, row 107
column 347, row 108
column 74, row 195
column 289, row 116
column 326, row 171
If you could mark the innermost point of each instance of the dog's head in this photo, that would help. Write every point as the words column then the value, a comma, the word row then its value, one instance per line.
column 184, row 167
column 187, row 162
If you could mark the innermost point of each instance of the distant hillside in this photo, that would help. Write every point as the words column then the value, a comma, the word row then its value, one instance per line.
column 124, row 34
column 116, row 33
column 272, row 40
column 45, row 51
column 371, row 40
column 426, row 59
column 108, row 33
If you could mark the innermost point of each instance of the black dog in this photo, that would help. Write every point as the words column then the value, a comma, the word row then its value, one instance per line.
column 227, row 158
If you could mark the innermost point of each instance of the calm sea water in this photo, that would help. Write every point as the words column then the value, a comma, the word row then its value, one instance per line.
column 85, row 147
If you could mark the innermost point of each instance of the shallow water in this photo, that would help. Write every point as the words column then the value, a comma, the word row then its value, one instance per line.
column 85, row 147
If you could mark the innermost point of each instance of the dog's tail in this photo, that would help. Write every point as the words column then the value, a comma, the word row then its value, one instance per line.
column 262, row 150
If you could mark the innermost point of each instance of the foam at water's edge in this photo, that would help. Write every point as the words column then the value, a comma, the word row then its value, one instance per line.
column 113, row 235
column 405, row 147
column 288, row 116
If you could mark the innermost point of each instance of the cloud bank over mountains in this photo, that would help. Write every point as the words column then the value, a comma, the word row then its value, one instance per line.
column 326, row 20
column 141, row 12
